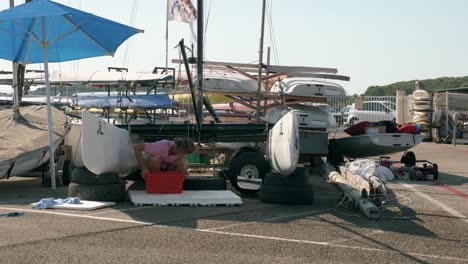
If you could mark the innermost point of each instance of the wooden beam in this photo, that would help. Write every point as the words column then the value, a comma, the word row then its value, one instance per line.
column 243, row 73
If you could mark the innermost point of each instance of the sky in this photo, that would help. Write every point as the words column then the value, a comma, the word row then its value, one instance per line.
column 375, row 42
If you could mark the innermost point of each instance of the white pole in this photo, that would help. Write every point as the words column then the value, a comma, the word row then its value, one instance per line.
column 14, row 82
column 49, row 107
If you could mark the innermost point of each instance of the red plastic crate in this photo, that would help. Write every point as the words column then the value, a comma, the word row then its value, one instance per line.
column 164, row 182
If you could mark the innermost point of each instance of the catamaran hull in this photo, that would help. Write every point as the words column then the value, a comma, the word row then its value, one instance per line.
column 25, row 162
column 25, row 139
column 377, row 144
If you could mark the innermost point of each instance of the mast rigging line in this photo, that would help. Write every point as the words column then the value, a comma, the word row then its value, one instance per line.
column 129, row 42
column 75, row 65
column 206, row 27
column 272, row 31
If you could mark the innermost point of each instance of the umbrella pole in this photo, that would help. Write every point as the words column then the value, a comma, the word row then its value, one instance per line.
column 49, row 107
column 14, row 82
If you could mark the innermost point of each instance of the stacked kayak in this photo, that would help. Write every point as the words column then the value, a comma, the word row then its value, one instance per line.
column 421, row 110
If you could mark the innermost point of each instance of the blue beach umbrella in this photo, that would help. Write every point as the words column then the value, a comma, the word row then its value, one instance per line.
column 43, row 31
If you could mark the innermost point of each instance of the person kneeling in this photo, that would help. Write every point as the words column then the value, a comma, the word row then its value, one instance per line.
column 164, row 155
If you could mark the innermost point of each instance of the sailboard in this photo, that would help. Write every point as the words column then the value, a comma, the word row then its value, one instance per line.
column 105, row 147
column 283, row 145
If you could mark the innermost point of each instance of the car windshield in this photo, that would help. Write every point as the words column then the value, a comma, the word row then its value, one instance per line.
column 391, row 105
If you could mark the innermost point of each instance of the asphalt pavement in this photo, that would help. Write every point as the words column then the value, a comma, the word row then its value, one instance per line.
column 426, row 222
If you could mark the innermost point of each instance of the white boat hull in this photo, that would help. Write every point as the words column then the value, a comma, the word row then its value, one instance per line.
column 105, row 147
column 308, row 87
column 283, row 145
column 25, row 141
column 25, row 162
column 370, row 145
column 74, row 139
column 307, row 116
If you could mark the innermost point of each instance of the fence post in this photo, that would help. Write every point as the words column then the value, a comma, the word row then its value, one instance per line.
column 401, row 107
column 447, row 114
column 358, row 102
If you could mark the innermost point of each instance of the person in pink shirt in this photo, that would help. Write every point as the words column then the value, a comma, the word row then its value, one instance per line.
column 164, row 155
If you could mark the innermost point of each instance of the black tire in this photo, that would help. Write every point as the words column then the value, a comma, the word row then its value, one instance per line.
column 250, row 164
column 105, row 193
column 352, row 122
column 66, row 172
column 81, row 175
column 204, row 183
column 284, row 194
column 298, row 178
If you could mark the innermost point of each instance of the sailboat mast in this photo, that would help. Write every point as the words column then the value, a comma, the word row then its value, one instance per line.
column 260, row 63
column 200, row 58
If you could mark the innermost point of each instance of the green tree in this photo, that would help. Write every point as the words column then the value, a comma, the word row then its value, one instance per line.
column 409, row 86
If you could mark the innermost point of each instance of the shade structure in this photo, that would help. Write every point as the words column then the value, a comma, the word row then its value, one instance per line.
column 44, row 31
column 70, row 33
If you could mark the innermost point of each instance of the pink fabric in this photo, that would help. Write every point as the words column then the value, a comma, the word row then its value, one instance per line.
column 161, row 150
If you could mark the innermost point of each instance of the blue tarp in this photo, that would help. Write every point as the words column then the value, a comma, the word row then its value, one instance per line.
column 152, row 101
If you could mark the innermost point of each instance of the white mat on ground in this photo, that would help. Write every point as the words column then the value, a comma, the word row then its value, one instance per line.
column 83, row 205
column 192, row 198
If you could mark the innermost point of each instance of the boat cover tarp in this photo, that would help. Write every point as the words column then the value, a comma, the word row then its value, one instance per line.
column 29, row 133
column 152, row 101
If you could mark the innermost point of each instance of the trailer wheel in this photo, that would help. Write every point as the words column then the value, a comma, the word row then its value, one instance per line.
column 246, row 171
